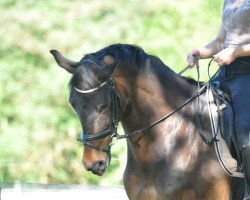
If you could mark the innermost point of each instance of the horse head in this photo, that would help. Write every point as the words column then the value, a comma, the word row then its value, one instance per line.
column 97, row 104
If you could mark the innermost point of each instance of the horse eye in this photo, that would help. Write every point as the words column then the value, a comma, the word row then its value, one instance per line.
column 102, row 108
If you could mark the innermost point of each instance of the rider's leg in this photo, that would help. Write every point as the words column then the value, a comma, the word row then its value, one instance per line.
column 246, row 167
column 241, row 103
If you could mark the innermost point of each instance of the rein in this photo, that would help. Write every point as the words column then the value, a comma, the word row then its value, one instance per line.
column 117, row 113
column 195, row 95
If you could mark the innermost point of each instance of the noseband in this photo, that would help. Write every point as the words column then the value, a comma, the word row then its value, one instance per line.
column 117, row 112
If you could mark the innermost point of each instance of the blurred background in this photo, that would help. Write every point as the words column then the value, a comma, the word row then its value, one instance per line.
column 38, row 128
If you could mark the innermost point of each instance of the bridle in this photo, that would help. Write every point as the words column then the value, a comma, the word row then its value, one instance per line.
column 116, row 110
column 117, row 113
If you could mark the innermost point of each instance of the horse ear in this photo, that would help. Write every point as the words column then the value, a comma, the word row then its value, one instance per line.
column 63, row 62
column 103, row 73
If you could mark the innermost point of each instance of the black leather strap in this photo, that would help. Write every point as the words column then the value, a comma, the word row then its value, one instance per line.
column 117, row 113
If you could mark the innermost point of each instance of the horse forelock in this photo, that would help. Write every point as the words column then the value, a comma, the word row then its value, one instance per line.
column 84, row 75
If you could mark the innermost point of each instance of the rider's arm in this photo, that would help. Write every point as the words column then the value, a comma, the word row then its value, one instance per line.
column 228, row 55
column 210, row 49
column 214, row 46
column 243, row 50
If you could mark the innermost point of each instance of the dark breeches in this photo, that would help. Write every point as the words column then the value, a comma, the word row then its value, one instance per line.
column 237, row 79
column 240, row 92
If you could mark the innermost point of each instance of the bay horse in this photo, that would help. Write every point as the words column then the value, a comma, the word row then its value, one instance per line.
column 166, row 159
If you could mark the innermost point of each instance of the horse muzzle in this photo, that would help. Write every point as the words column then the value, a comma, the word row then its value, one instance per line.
column 97, row 168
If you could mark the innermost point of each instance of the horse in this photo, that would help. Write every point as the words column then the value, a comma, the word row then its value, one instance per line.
column 167, row 159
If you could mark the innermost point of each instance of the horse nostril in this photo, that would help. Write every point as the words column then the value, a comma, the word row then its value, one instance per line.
column 102, row 165
column 99, row 167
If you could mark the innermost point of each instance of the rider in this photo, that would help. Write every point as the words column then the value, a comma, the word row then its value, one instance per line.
column 231, row 50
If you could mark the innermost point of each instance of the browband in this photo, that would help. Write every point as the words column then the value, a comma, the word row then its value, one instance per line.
column 90, row 90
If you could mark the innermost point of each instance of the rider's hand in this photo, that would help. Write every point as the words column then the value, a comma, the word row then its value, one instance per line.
column 191, row 57
column 225, row 57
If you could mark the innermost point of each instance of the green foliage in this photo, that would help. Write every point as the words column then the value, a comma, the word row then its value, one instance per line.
column 36, row 122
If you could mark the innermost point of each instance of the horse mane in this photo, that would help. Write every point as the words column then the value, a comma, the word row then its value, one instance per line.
column 127, row 54
column 191, row 80
column 122, row 53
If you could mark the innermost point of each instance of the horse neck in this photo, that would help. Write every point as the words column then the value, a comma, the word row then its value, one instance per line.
column 152, row 94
